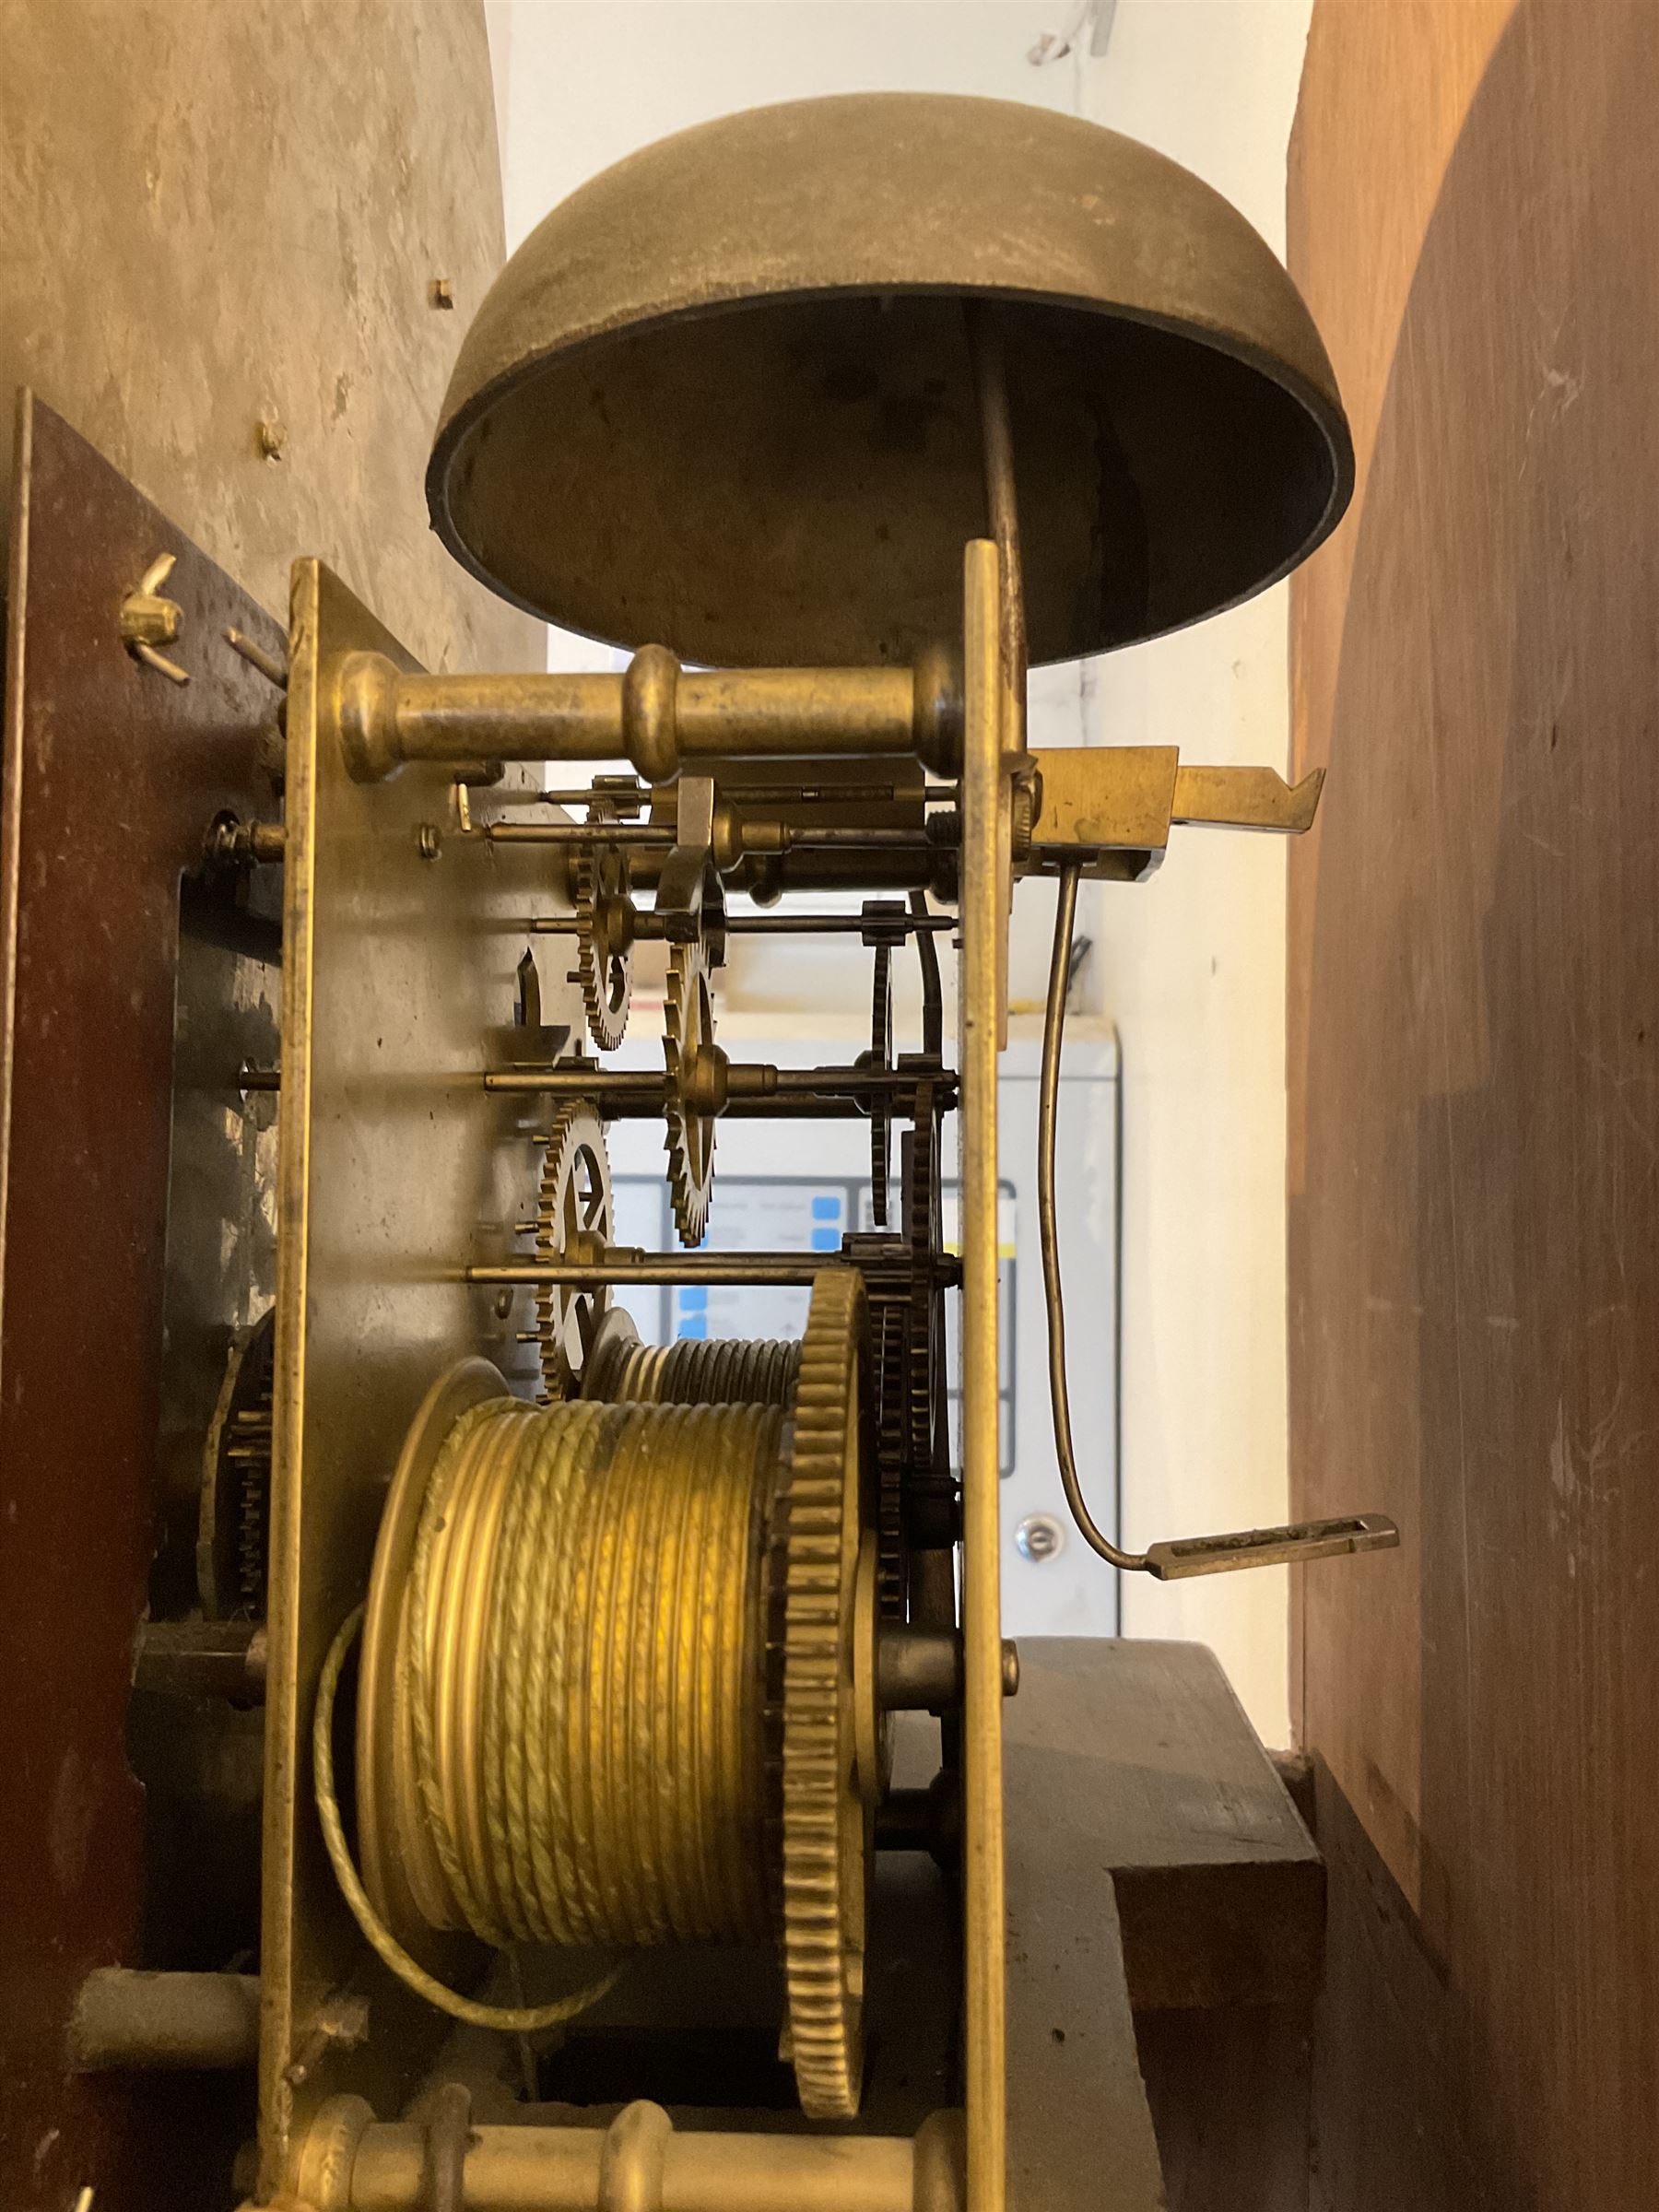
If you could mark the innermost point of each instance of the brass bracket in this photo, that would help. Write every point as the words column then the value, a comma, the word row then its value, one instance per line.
column 1111, row 807
column 689, row 864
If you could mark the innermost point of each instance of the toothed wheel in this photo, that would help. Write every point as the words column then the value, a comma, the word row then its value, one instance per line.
column 881, row 1101
column 927, row 1442
column 572, row 1221
column 233, row 1534
column 605, row 939
column 689, row 1032
column 826, row 1800
column 889, row 1324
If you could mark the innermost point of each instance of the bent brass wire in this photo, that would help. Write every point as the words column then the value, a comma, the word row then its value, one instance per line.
column 1169, row 1562
column 516, row 2020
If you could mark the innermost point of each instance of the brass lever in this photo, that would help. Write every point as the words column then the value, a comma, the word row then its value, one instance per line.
column 1247, row 798
column 1298, row 1540
column 1108, row 809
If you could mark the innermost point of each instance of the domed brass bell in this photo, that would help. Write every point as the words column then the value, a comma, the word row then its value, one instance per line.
column 723, row 399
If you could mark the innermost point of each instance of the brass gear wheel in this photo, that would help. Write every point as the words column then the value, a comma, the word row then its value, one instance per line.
column 889, row 1321
column 825, row 1795
column 883, row 1263
column 605, row 939
column 233, row 1534
column 927, row 1440
column 907, row 1359
column 881, row 1103
column 573, row 1219
column 688, row 1032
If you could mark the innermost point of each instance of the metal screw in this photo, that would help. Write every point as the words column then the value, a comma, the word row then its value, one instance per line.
column 1039, row 1537
column 503, row 1304
column 430, row 840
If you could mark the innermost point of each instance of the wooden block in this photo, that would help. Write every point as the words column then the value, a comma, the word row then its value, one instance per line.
column 1077, row 2102
column 1229, row 2089
column 1143, row 1746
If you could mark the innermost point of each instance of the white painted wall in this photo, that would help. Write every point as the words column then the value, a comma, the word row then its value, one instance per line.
column 1191, row 966
column 1195, row 960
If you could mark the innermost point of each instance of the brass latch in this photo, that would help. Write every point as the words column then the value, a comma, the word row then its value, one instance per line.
column 1110, row 808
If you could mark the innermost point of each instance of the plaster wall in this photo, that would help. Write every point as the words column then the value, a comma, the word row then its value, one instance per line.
column 221, row 228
